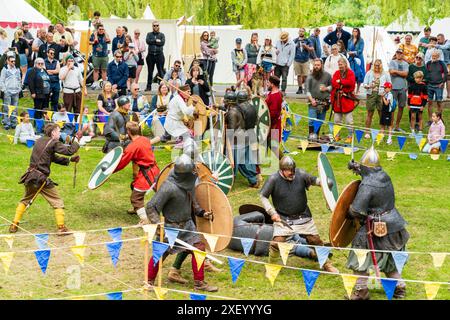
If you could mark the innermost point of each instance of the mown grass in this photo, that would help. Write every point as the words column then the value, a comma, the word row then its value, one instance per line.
column 422, row 188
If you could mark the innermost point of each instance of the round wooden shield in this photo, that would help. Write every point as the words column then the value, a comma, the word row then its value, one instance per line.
column 343, row 230
column 221, row 168
column 105, row 168
column 204, row 174
column 247, row 208
column 326, row 171
column 211, row 198
column 263, row 124
column 201, row 121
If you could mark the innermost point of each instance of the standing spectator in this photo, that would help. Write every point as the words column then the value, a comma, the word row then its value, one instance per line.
column 338, row 34
column 180, row 72
column 119, row 39
column 24, row 130
column 23, row 49
column 50, row 43
column 331, row 63
column 398, row 69
column 99, row 41
column 10, row 85
column 437, row 76
column 117, row 73
column 418, row 65
column 285, row 50
column 341, row 48
column 373, row 83
column 417, row 100
column 387, row 111
column 72, row 81
column 355, row 51
column 274, row 102
column 239, row 60
column 140, row 47
column 39, row 85
column 53, row 68
column 130, row 57
column 41, row 36
column 199, row 86
column 62, row 36
column 96, row 21
column 139, row 103
column 26, row 32
column 342, row 96
column 303, row 49
column 435, row 134
column 326, row 48
column 209, row 57
column 318, row 85
column 252, row 50
column 106, row 102
column 315, row 43
column 155, row 55
column 3, row 41
column 409, row 50
column 444, row 45
column 267, row 57
column 432, row 47
column 425, row 40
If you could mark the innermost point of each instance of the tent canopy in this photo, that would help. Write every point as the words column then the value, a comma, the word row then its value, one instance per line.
column 14, row 12
column 148, row 14
column 408, row 22
column 439, row 26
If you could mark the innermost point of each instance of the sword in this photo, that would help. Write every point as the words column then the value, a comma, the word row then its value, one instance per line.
column 371, row 246
column 284, row 223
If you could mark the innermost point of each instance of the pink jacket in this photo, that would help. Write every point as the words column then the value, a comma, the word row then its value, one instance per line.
column 436, row 132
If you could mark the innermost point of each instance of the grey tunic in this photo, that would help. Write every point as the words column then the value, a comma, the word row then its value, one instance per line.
column 113, row 129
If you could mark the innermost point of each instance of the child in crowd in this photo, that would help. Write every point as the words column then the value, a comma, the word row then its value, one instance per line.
column 387, row 110
column 25, row 130
column 417, row 99
column 266, row 58
column 436, row 133
column 213, row 42
column 87, row 126
column 175, row 82
column 96, row 20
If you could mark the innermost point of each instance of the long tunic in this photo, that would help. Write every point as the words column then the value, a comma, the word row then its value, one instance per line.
column 176, row 111
column 274, row 101
column 341, row 103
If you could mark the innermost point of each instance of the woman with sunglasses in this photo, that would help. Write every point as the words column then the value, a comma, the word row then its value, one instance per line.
column 209, row 58
column 140, row 48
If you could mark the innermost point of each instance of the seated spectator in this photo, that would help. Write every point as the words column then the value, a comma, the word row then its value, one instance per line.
column 180, row 72
column 25, row 130
column 61, row 115
column 174, row 83
column 117, row 73
column 139, row 103
column 199, row 86
column 161, row 100
column 106, row 102
column 131, row 58
column 11, row 86
column 435, row 134
column 196, row 63
column 432, row 45
column 87, row 126
column 67, row 128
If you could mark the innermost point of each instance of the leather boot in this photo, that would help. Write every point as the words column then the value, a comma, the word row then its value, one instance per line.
column 175, row 276
column 360, row 294
column 329, row 267
column 203, row 286
column 20, row 210
column 210, row 267
column 13, row 228
column 400, row 292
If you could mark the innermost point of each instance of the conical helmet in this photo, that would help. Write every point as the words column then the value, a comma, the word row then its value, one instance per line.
column 287, row 163
column 370, row 158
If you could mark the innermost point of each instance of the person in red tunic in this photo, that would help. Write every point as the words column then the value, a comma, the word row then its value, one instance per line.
column 274, row 102
column 139, row 151
column 342, row 97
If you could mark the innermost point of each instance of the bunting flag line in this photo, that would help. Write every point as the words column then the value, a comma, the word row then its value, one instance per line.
column 79, row 253
column 9, row 240
column 199, row 258
column 11, row 110
column 247, row 244
column 431, row 289
column 359, row 134
column 11, row 138
column 390, row 155
column 114, row 296
column 41, row 240
column 317, row 124
column 114, row 251
column 160, row 292
column 349, row 283
column 438, row 259
column 6, row 259
column 211, row 239
column 272, row 271
column 309, row 278
column 336, row 129
column 196, row 296
column 434, row 156
column 413, row 156
column 79, row 238
column 285, row 248
column 401, row 141
column 158, row 248
column 444, row 144
column 235, row 265
column 322, row 255
column 101, row 126
column 297, row 119
column 324, row 148
column 400, row 259
column 171, row 235
column 150, row 230
column 389, row 287
column 42, row 257
column 31, row 113
column 347, row 151
column 70, row 116
column 374, row 133
column 304, row 145
column 116, row 234
column 361, row 255
column 422, row 143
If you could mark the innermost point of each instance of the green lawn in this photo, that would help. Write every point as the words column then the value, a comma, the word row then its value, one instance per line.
column 422, row 188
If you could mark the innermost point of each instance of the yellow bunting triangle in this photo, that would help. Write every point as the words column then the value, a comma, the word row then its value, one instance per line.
column 79, row 252
column 431, row 289
column 60, row 124
column 10, row 110
column 49, row 115
column 304, row 144
column 390, row 155
column 422, row 143
column 379, row 138
column 361, row 254
column 9, row 240
column 11, row 138
column 90, row 117
column 336, row 129
column 19, row 120
column 435, row 156
column 199, row 258
column 100, row 126
column 349, row 283
column 347, row 151
column 79, row 238
column 438, row 259
column 143, row 241
column 79, row 298
column 150, row 230
column 285, row 248
column 206, row 141
column 272, row 271
column 212, row 240
column 6, row 258
column 168, row 148
column 160, row 292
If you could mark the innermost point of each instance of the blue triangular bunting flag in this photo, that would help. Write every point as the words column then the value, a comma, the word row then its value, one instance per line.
column 359, row 134
column 247, row 245
column 400, row 258
column 413, row 156
column 77, row 125
column 322, row 254
column 42, row 257
column 297, row 118
column 316, row 125
column 71, row 116
column 31, row 112
column 114, row 296
column 309, row 277
column 418, row 137
column 374, row 133
column 401, row 141
column 171, row 235
column 162, row 120
column 286, row 134
column 41, row 240
column 39, row 124
column 158, row 248
column 106, row 118
column 324, row 148
column 235, row 267
column 389, row 287
column 115, row 233
column 444, row 144
column 149, row 121
column 114, row 251
column 196, row 296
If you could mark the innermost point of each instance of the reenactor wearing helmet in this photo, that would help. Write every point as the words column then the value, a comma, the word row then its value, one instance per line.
column 290, row 212
column 115, row 129
column 381, row 224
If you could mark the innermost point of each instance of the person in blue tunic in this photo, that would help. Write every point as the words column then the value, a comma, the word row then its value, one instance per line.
column 355, row 51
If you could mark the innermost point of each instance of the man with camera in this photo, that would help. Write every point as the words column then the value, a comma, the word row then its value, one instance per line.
column 303, row 49
column 72, row 80
column 99, row 41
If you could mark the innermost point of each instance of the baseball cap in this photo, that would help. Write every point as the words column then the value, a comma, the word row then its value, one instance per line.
column 387, row 84
column 238, row 40
column 399, row 50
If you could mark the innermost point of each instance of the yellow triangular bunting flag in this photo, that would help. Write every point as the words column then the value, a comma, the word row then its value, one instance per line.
column 10, row 110
column 435, row 156
column 11, row 138
column 390, row 155
column 9, row 240
column 361, row 254
column 49, row 115
column 431, row 289
column 90, row 117
column 349, row 283
column 199, row 258
column 100, row 126
column 150, row 230
column 60, row 124
column 206, row 141
column 6, row 258
column 272, row 271
column 285, row 248
column 212, row 240
column 79, row 238
column 304, row 145
column 379, row 138
column 336, row 129
column 143, row 241
column 347, row 151
column 160, row 292
column 19, row 120
column 422, row 143
column 79, row 252
column 168, row 148
column 438, row 259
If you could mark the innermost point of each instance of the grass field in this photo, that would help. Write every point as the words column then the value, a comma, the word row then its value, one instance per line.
column 422, row 196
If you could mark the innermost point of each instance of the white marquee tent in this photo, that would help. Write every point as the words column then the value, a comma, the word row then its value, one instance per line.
column 439, row 26
column 406, row 23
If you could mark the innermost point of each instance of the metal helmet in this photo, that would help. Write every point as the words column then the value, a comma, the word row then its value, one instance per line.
column 184, row 164
column 229, row 97
column 242, row 96
column 370, row 158
column 287, row 163
column 123, row 100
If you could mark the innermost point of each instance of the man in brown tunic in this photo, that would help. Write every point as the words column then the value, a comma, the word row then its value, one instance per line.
column 45, row 152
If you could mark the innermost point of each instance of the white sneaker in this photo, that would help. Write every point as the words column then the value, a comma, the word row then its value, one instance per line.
column 389, row 140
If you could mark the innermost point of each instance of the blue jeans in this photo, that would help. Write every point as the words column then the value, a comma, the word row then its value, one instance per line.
column 435, row 93
column 10, row 100
column 312, row 113
column 245, row 164
column 53, row 97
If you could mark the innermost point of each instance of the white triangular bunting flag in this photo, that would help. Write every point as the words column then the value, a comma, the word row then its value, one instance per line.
column 438, row 259
column 285, row 248
column 79, row 238
column 9, row 240
column 304, row 145
column 150, row 230
column 361, row 254
column 212, row 240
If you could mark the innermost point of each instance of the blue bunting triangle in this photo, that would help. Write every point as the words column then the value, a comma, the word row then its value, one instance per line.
column 42, row 257
column 171, row 235
column 316, row 125
column 444, row 144
column 401, row 141
column 413, row 156
column 235, row 265
column 149, row 121
column 359, row 134
column 324, row 148
column 158, row 248
column 114, row 251
column 389, row 287
column 196, row 296
column 374, row 133
column 31, row 112
column 286, row 134
column 116, row 234
column 400, row 258
column 71, row 116
column 247, row 245
column 309, row 277
column 106, row 118
column 41, row 240
column 114, row 296
column 297, row 119
column 162, row 120
column 77, row 125
column 322, row 254
column 418, row 137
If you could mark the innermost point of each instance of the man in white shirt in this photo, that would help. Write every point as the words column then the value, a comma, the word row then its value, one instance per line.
column 61, row 33
column 72, row 81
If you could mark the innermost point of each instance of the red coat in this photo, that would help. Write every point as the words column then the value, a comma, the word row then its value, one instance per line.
column 140, row 152
column 340, row 103
column 274, row 102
